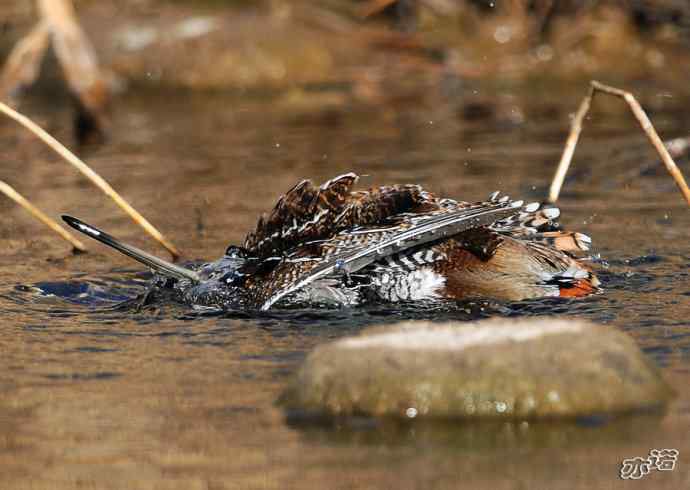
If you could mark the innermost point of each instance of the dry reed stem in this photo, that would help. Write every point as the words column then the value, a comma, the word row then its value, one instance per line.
column 56, row 146
column 72, row 48
column 60, row 28
column 6, row 189
column 645, row 123
column 24, row 62
column 78, row 60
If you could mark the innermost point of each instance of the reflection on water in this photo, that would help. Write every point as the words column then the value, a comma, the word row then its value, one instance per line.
column 99, row 393
column 485, row 436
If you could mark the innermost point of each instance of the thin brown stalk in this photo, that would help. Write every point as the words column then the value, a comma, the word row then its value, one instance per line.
column 72, row 159
column 72, row 47
column 79, row 63
column 6, row 189
column 24, row 62
column 642, row 119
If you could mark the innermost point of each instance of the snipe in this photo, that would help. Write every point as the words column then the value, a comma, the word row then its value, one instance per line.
column 334, row 245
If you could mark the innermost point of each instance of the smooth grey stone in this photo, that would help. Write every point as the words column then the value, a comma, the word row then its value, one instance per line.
column 498, row 369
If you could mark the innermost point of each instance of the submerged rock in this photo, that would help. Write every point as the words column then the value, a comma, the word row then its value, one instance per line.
column 501, row 368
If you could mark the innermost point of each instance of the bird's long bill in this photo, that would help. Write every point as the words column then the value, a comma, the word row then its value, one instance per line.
column 155, row 263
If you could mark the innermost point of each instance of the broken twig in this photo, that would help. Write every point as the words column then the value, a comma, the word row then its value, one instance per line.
column 79, row 64
column 77, row 58
column 24, row 62
column 6, row 189
column 56, row 146
column 645, row 123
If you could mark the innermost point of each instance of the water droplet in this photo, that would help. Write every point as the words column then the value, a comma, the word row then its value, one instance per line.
column 503, row 34
column 544, row 52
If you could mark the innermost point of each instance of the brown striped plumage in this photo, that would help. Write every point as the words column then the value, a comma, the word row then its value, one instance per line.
column 524, row 256
column 306, row 213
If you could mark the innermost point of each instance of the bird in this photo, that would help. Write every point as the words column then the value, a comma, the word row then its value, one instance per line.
column 333, row 245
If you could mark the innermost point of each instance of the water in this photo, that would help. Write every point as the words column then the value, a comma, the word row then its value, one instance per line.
column 95, row 393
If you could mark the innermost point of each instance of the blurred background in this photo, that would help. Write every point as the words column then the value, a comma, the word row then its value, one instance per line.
column 361, row 44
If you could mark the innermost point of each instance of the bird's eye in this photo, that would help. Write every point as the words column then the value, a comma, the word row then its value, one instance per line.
column 235, row 252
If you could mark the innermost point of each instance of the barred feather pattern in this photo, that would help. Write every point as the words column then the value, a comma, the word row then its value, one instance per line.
column 302, row 260
column 539, row 224
column 306, row 214
column 370, row 217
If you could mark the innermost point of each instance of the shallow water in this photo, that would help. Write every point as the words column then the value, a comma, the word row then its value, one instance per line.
column 95, row 394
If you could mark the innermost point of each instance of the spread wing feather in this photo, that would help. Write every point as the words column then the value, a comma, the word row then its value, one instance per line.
column 290, row 276
column 306, row 213
column 330, row 231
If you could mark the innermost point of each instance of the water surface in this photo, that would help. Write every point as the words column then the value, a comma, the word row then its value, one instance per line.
column 94, row 394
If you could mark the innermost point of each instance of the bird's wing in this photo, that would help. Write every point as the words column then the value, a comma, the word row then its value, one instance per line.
column 307, row 213
column 375, row 244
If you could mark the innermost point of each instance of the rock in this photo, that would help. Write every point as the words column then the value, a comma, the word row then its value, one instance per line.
column 498, row 369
